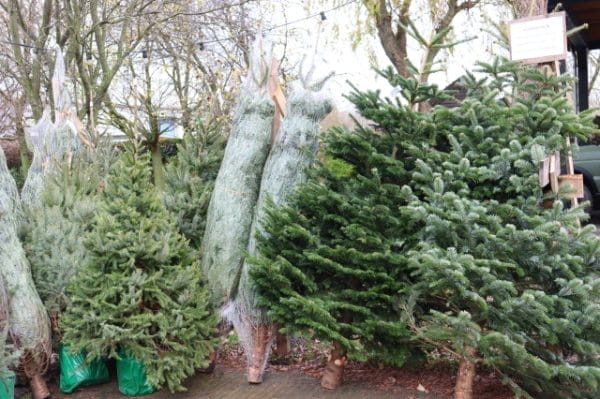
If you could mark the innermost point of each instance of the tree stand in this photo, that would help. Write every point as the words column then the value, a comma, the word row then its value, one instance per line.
column 259, row 352
column 334, row 371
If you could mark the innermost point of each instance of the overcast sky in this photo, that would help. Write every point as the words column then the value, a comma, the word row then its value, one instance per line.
column 334, row 49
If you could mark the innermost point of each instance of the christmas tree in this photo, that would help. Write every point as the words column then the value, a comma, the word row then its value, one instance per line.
column 190, row 178
column 430, row 226
column 52, row 235
column 293, row 151
column 28, row 323
column 140, row 289
column 507, row 283
column 330, row 263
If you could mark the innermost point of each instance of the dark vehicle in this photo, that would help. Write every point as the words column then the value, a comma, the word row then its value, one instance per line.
column 587, row 162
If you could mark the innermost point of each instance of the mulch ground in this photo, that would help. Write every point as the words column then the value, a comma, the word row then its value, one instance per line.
column 309, row 358
column 437, row 379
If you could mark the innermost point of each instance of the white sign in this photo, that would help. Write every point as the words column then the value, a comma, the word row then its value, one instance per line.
column 538, row 39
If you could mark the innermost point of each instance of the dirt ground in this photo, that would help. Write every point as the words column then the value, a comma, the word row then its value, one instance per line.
column 296, row 376
column 437, row 379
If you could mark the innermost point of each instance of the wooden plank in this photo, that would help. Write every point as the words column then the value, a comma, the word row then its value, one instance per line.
column 544, row 172
column 275, row 89
column 553, row 172
column 278, row 98
column 575, row 182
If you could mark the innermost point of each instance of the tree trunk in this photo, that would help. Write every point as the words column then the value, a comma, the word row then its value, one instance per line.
column 39, row 389
column 466, row 375
column 212, row 358
column 528, row 8
column 258, row 355
column 334, row 371
column 394, row 43
column 282, row 347
column 158, row 170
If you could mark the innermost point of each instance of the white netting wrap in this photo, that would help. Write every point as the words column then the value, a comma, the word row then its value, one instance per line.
column 293, row 152
column 60, row 95
column 29, row 326
column 229, row 214
column 51, row 142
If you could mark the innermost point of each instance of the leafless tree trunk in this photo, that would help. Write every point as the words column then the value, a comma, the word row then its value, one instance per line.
column 393, row 26
column 528, row 8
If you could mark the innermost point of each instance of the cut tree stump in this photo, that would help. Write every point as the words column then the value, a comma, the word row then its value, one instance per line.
column 258, row 357
column 282, row 344
column 334, row 371
column 466, row 375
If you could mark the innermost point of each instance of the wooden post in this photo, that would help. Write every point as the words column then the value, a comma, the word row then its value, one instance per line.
column 278, row 98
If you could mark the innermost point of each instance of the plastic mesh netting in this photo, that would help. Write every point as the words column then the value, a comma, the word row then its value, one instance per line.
column 28, row 321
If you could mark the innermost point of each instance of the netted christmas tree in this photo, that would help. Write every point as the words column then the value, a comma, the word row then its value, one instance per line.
column 430, row 228
column 294, row 150
column 29, row 328
column 231, row 207
column 52, row 142
column 52, row 233
column 140, row 290
column 190, row 178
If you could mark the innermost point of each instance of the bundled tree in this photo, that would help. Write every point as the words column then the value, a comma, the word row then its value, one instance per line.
column 190, row 178
column 51, row 142
column 28, row 322
column 140, row 290
column 52, row 235
column 447, row 206
column 231, row 207
column 8, row 356
column 293, row 152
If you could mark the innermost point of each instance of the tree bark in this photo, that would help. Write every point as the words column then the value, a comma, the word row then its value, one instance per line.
column 334, row 371
column 158, row 169
column 466, row 374
column 259, row 351
column 39, row 389
column 528, row 8
column 282, row 347
column 393, row 43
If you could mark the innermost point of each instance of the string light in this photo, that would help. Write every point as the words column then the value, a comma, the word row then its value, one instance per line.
column 202, row 45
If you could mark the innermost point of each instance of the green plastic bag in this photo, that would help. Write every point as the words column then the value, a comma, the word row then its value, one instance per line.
column 75, row 372
column 131, row 376
column 7, row 384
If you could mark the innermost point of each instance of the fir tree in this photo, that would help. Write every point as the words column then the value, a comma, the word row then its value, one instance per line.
column 508, row 283
column 52, row 234
column 190, row 178
column 430, row 227
column 140, row 289
column 330, row 263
